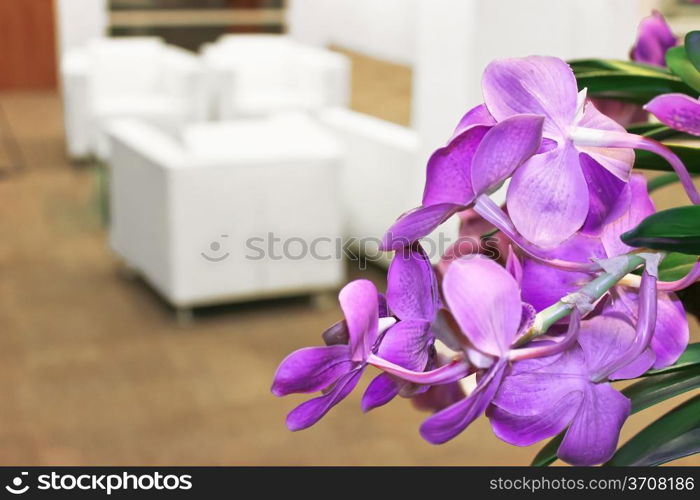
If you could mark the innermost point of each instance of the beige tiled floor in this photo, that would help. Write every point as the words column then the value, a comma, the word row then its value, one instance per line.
column 93, row 369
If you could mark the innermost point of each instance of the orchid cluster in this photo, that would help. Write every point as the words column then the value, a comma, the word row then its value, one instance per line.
column 533, row 338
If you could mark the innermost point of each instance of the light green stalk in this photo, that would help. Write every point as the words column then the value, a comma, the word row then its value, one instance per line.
column 583, row 299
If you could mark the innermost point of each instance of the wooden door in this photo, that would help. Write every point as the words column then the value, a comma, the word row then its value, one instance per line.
column 27, row 45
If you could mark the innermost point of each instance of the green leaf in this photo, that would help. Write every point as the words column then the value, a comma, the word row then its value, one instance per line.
column 679, row 64
column 644, row 128
column 657, row 388
column 659, row 385
column 676, row 266
column 692, row 48
column 675, row 435
column 615, row 65
column 674, row 230
column 548, row 454
column 638, row 88
column 688, row 154
column 689, row 359
column 656, row 131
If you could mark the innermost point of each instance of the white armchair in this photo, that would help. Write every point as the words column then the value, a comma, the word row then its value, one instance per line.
column 233, row 211
column 255, row 75
column 127, row 77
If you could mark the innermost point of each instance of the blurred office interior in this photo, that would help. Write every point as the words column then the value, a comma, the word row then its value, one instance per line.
column 145, row 143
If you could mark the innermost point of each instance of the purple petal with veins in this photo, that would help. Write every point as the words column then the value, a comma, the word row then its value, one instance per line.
column 639, row 206
column 503, row 149
column 448, row 177
column 412, row 291
column 604, row 190
column 311, row 369
column 451, row 421
column 308, row 413
column 360, row 305
column 485, row 301
column 532, row 85
column 478, row 115
column 548, row 198
column 678, row 111
column 617, row 161
column 654, row 38
column 595, row 430
column 416, row 224
column 382, row 389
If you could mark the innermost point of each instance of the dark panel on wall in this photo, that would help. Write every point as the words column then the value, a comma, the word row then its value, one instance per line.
column 27, row 44
column 195, row 4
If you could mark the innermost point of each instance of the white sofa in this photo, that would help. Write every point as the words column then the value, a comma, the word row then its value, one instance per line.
column 127, row 77
column 197, row 216
column 255, row 75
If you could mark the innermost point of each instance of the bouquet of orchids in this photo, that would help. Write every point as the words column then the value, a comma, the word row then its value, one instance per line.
column 583, row 292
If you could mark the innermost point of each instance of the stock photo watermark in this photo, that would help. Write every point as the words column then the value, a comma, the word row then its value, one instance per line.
column 361, row 250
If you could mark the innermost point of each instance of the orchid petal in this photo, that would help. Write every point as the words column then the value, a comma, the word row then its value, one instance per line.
column 448, row 176
column 578, row 248
column 604, row 190
column 592, row 437
column 416, row 224
column 478, row 115
column 617, row 161
column 678, row 111
column 514, row 266
column 503, row 149
column 520, row 430
column 485, row 301
column 671, row 334
column 548, row 197
column 336, row 334
column 406, row 344
column 308, row 413
column 537, row 384
column 439, row 397
column 640, row 206
column 411, row 285
column 653, row 40
column 532, row 85
column 311, row 369
column 379, row 392
column 605, row 339
column 624, row 113
column 360, row 305
column 451, row 421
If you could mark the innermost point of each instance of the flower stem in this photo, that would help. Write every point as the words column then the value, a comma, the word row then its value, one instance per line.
column 583, row 299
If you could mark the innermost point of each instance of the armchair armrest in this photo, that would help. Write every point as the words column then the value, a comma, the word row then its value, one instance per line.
column 74, row 65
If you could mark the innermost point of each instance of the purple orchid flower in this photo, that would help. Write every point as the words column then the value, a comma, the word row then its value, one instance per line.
column 553, row 194
column 678, row 111
column 395, row 329
column 478, row 158
column 653, row 40
column 412, row 297
column 671, row 331
column 334, row 369
column 542, row 397
column 491, row 318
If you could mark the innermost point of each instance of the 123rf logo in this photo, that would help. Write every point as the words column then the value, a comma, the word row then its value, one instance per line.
column 107, row 483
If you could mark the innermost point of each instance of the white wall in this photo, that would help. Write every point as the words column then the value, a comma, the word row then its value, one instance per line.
column 79, row 21
column 384, row 29
column 456, row 39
